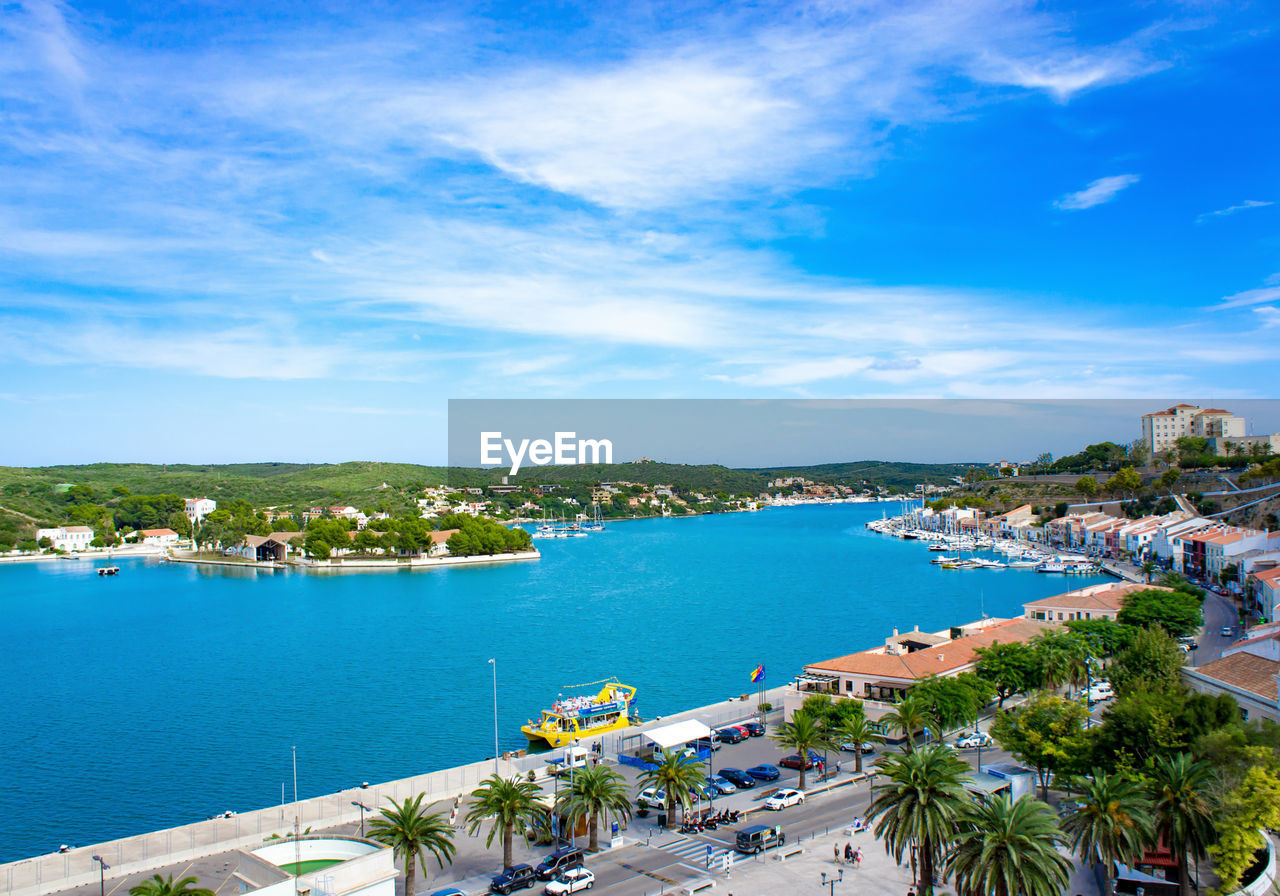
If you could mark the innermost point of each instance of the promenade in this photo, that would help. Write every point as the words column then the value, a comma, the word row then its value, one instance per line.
column 183, row 846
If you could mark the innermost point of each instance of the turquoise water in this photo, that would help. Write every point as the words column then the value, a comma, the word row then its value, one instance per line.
column 174, row 692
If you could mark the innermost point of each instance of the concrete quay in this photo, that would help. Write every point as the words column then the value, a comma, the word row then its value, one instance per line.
column 181, row 846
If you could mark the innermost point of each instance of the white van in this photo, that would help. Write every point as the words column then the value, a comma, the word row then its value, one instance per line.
column 1100, row 691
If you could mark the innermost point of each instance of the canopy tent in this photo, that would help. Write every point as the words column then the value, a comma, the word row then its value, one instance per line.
column 678, row 734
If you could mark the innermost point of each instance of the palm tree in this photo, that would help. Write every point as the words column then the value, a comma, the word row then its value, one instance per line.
column 412, row 833
column 1064, row 659
column 919, row 804
column 1112, row 822
column 513, row 804
column 1148, row 569
column 859, row 730
column 910, row 715
column 596, row 791
column 802, row 734
column 679, row 777
column 1179, row 791
column 159, row 886
column 1008, row 848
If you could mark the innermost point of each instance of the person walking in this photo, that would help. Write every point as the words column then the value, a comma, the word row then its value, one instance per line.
column 837, row 851
column 857, row 857
column 848, row 853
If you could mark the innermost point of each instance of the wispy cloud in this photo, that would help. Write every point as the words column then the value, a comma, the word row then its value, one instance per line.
column 1257, row 296
column 1232, row 209
column 1100, row 191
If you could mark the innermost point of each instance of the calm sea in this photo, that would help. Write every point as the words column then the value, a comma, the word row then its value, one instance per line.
column 174, row 692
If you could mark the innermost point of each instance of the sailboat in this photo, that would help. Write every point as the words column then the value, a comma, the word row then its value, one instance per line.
column 596, row 524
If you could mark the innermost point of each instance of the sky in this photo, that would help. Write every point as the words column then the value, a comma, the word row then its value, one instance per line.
column 239, row 232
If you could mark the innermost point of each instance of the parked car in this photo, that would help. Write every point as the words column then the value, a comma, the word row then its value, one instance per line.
column 852, row 746
column 574, row 880
column 738, row 778
column 784, row 798
column 704, row 743
column 973, row 739
column 652, row 798
column 703, row 792
column 1227, row 631
column 721, row 785
column 517, row 877
column 562, row 859
column 1100, row 691
column 794, row 761
column 451, row 891
column 765, row 772
column 755, row 729
column 731, row 735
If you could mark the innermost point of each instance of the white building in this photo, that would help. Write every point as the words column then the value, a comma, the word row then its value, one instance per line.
column 199, row 508
column 1162, row 429
column 67, row 538
column 163, row 537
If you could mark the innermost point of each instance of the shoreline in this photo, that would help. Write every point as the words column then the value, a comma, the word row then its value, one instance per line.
column 360, row 565
column 92, row 554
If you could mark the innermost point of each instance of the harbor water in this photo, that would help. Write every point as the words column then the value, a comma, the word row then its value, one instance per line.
column 172, row 692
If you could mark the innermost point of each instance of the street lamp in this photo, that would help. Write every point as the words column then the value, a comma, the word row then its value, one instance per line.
column 102, row 875
column 363, row 809
column 830, row 882
column 494, row 663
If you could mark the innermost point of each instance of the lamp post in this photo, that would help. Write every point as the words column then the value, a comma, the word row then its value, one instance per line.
column 363, row 809
column 102, row 875
column 830, row 882
column 494, row 663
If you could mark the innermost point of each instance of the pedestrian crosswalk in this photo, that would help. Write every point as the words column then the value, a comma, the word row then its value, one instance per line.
column 696, row 852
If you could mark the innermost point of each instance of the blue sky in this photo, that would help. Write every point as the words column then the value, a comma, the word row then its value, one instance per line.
column 291, row 232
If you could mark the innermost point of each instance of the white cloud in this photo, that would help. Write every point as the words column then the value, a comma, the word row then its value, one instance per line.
column 1248, row 297
column 1270, row 316
column 1102, row 190
column 1232, row 209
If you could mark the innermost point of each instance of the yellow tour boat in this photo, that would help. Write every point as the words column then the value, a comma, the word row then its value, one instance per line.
column 572, row 718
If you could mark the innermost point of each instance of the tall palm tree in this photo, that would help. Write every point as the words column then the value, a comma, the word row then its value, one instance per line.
column 513, row 804
column 859, row 730
column 679, row 777
column 1179, row 788
column 412, row 833
column 159, row 886
column 1008, row 848
column 1112, row 822
column 802, row 734
column 1064, row 659
column 1148, row 569
column 919, row 803
column 596, row 791
column 910, row 715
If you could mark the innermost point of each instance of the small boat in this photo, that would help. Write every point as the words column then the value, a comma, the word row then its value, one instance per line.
column 1023, row 564
column 944, row 559
column 937, row 546
column 572, row 718
column 108, row 570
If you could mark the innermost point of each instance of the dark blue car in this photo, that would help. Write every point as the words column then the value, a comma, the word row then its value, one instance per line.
column 738, row 777
column 764, row 772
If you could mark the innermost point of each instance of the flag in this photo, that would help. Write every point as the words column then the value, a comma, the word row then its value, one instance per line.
column 757, row 674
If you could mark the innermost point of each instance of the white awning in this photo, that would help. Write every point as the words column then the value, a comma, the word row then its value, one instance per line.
column 678, row 734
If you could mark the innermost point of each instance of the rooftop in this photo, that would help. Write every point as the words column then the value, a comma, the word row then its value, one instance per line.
column 1245, row 671
column 1107, row 596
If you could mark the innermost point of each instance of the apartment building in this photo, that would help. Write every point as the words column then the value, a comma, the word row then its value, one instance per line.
column 1162, row 429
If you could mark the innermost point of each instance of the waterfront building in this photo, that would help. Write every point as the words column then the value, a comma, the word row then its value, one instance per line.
column 1010, row 524
column 1248, row 670
column 199, row 508
column 162, row 537
column 882, row 674
column 67, row 538
column 265, row 548
column 1094, row 602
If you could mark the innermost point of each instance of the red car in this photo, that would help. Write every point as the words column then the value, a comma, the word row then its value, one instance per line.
column 794, row 761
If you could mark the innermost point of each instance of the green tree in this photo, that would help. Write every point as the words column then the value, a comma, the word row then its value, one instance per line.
column 1169, row 477
column 513, row 805
column 179, row 523
column 1148, row 569
column 159, row 886
column 412, row 833
column 1087, row 486
column 1064, row 659
column 1008, row 848
column 1104, row 637
column 858, row 730
column 1047, row 732
column 1125, row 480
column 1251, row 805
column 1177, row 612
column 1179, row 788
column 1111, row 821
column 918, row 804
column 679, row 777
column 596, row 792
column 317, row 547
column 1011, row 668
column 802, row 734
column 908, row 716
column 1151, row 662
column 955, row 701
